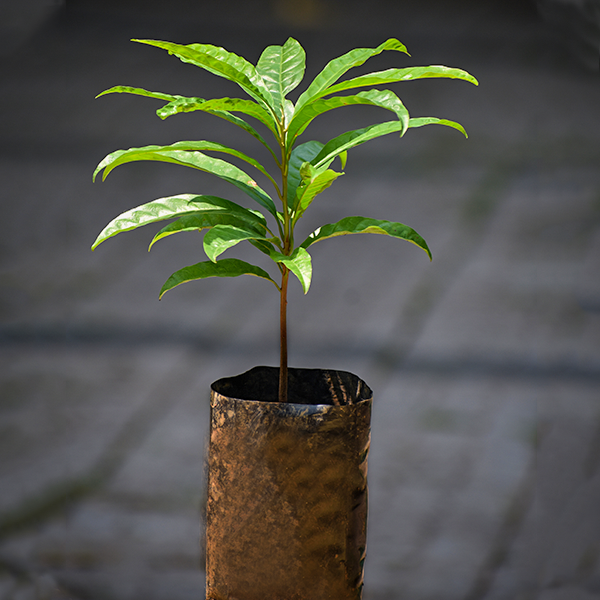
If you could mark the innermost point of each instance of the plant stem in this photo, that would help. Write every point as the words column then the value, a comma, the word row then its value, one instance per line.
column 286, row 238
column 283, row 359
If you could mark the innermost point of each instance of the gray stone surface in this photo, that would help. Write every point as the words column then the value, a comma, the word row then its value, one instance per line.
column 485, row 460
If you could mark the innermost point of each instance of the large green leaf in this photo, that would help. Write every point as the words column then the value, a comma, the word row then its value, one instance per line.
column 220, row 62
column 176, row 154
column 183, row 104
column 351, row 225
column 396, row 75
column 198, row 221
column 338, row 66
column 222, row 237
column 421, row 121
column 384, row 99
column 124, row 89
column 120, row 157
column 299, row 263
column 228, row 267
column 282, row 69
column 350, row 139
column 176, row 206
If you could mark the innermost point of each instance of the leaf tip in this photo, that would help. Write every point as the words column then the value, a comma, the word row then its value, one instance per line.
column 163, row 291
column 139, row 41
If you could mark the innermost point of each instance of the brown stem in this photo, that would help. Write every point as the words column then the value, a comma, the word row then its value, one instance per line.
column 283, row 358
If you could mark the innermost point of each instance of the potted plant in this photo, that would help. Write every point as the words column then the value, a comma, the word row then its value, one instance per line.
column 286, row 512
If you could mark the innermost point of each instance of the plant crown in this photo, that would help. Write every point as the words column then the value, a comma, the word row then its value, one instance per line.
column 304, row 169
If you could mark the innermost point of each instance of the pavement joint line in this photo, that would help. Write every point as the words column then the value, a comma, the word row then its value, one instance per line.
column 514, row 367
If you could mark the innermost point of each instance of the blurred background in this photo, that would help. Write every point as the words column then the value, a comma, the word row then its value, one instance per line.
column 485, row 461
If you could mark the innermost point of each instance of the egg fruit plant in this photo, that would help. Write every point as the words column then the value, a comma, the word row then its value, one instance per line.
column 299, row 173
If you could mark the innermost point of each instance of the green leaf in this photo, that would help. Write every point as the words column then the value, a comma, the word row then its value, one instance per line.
column 405, row 74
column 338, row 66
column 120, row 157
column 222, row 237
column 384, row 99
column 182, row 104
column 282, row 69
column 178, row 104
column 421, row 121
column 220, row 62
column 288, row 112
column 351, row 225
column 123, row 89
column 300, row 154
column 172, row 207
column 299, row 263
column 228, row 267
column 198, row 221
column 311, row 188
column 350, row 139
column 178, row 153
